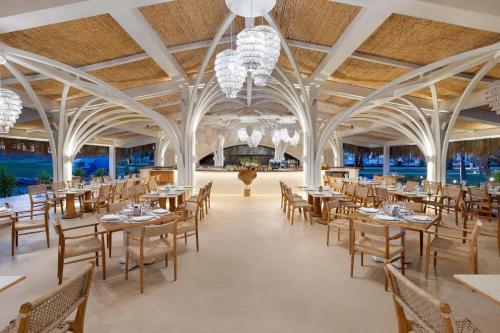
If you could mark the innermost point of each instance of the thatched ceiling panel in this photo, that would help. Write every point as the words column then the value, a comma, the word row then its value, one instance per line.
column 169, row 109
column 307, row 60
column 366, row 74
column 76, row 43
column 472, row 125
column 422, row 41
column 132, row 74
column 187, row 21
column 448, row 88
column 340, row 101
column 155, row 101
column 51, row 89
column 313, row 21
column 191, row 60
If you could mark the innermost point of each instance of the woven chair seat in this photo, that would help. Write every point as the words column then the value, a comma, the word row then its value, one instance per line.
column 461, row 325
column 57, row 199
column 151, row 249
column 185, row 227
column 376, row 247
column 453, row 248
column 301, row 204
column 61, row 328
column 78, row 247
column 340, row 223
column 30, row 224
column 297, row 199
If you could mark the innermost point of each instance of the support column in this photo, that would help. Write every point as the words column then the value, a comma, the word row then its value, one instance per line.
column 387, row 159
column 339, row 154
column 312, row 170
column 219, row 151
column 112, row 162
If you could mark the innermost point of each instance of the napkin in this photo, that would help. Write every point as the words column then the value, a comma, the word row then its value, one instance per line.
column 386, row 217
column 141, row 218
column 420, row 218
column 160, row 211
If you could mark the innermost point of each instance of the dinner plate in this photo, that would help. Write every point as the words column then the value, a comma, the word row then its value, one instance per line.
column 160, row 211
column 142, row 218
column 110, row 217
column 420, row 218
column 386, row 217
column 369, row 210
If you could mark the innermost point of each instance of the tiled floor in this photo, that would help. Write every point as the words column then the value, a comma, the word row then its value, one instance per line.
column 254, row 273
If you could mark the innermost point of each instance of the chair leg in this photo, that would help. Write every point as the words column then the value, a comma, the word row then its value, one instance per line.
column 141, row 266
column 362, row 259
column 166, row 260
column 328, row 235
column 110, row 243
column 47, row 235
column 427, row 259
column 175, row 266
column 197, row 242
column 338, row 234
column 293, row 214
column 126, row 264
column 402, row 263
column 13, row 242
column 352, row 263
column 103, row 253
column 97, row 259
column 435, row 260
column 185, row 239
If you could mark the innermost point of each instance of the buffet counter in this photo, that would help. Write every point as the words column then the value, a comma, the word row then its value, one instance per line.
column 166, row 174
column 267, row 182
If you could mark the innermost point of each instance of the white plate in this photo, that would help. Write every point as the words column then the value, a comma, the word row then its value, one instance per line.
column 3, row 209
column 160, row 211
column 110, row 217
column 386, row 218
column 142, row 218
column 420, row 218
column 369, row 210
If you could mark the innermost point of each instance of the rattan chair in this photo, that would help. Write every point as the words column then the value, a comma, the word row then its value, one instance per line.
column 478, row 201
column 49, row 312
column 370, row 242
column 161, row 246
column 78, row 246
column 101, row 201
column 451, row 247
column 56, row 199
column 336, row 221
column 38, row 195
column 420, row 312
column 411, row 185
column 381, row 195
column 451, row 198
column 187, row 224
column 24, row 224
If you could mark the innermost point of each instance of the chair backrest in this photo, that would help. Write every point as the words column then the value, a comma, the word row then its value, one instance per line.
column 58, row 186
column 452, row 191
column 50, row 310
column 417, row 207
column 74, row 182
column 475, row 233
column 37, row 189
column 107, row 179
column 139, row 189
column 350, row 189
column 97, row 179
column 116, row 206
column 479, row 193
column 370, row 229
column 127, row 193
column 411, row 185
column 159, row 230
column 421, row 307
column 390, row 180
column 378, row 179
column 362, row 192
column 152, row 185
column 191, row 207
column 381, row 193
column 432, row 187
column 104, row 191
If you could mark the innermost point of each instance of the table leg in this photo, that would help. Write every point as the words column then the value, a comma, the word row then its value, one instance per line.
column 163, row 203
column 70, row 207
column 180, row 199
column 87, row 208
column 421, row 242
column 317, row 207
column 171, row 204
column 324, row 217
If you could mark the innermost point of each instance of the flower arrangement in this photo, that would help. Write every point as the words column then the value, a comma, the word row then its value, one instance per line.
column 249, row 164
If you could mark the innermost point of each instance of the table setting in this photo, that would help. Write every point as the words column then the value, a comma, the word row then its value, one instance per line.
column 391, row 212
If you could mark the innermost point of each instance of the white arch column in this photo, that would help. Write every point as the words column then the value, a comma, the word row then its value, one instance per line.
column 312, row 167
column 219, row 151
column 387, row 159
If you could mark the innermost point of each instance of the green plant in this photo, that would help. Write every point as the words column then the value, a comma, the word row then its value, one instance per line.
column 101, row 172
column 44, row 177
column 78, row 172
column 497, row 176
column 7, row 182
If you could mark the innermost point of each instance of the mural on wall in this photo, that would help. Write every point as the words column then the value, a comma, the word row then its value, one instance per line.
column 129, row 160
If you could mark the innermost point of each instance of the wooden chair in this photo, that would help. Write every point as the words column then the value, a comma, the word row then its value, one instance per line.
column 107, row 179
column 295, row 197
column 450, row 247
column 478, row 200
column 49, row 312
column 418, row 311
column 152, row 248
column 77, row 246
column 56, row 199
column 301, row 204
column 364, row 194
column 97, row 179
column 113, row 208
column 434, row 189
column 451, row 198
column 381, row 195
column 101, row 201
column 369, row 243
column 139, row 192
column 336, row 221
column 127, row 194
column 411, row 186
column 24, row 224
column 38, row 195
column 117, row 191
column 187, row 223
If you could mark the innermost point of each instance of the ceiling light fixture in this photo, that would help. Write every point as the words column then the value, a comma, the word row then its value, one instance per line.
column 10, row 106
column 493, row 97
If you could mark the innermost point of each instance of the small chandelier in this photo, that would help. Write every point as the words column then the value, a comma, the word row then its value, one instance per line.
column 284, row 135
column 230, row 74
column 251, row 136
column 10, row 106
column 493, row 97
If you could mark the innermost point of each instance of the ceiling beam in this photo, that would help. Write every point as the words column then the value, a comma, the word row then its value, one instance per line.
column 482, row 116
column 136, row 25
column 478, row 14
column 361, row 27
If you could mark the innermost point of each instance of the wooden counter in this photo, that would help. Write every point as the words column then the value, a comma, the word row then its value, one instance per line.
column 166, row 175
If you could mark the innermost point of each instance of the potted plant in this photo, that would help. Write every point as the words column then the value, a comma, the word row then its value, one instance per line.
column 7, row 182
column 44, row 177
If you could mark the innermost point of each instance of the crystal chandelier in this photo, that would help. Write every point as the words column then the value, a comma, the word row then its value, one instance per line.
column 10, row 106
column 251, row 48
column 283, row 135
column 493, row 97
column 271, row 54
column 230, row 74
column 251, row 136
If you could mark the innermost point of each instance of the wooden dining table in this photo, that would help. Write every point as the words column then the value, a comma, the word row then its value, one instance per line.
column 71, row 195
column 174, row 196
column 319, row 201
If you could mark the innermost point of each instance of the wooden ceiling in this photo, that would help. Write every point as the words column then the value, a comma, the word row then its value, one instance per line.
column 307, row 61
column 76, row 43
column 339, row 101
column 161, row 100
column 421, row 41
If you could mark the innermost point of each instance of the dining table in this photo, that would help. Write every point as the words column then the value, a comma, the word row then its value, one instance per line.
column 487, row 285
column 175, row 195
column 125, row 221
column 71, row 194
column 411, row 221
column 319, row 199
column 7, row 281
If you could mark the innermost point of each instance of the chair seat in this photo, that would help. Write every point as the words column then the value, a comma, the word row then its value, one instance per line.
column 340, row 223
column 151, row 249
column 61, row 328
column 301, row 204
column 450, row 247
column 31, row 224
column 185, row 227
column 78, row 247
column 464, row 325
column 375, row 247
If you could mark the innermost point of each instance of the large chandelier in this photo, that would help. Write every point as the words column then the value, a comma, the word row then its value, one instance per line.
column 493, row 97
column 284, row 135
column 10, row 106
column 229, row 72
column 251, row 136
column 271, row 54
column 251, row 48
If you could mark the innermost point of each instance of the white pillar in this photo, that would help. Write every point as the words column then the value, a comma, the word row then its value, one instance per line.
column 112, row 161
column 219, row 151
column 387, row 159
column 339, row 154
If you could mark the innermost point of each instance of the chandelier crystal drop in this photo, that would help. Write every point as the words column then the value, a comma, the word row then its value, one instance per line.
column 10, row 109
column 493, row 97
column 229, row 72
column 251, row 48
